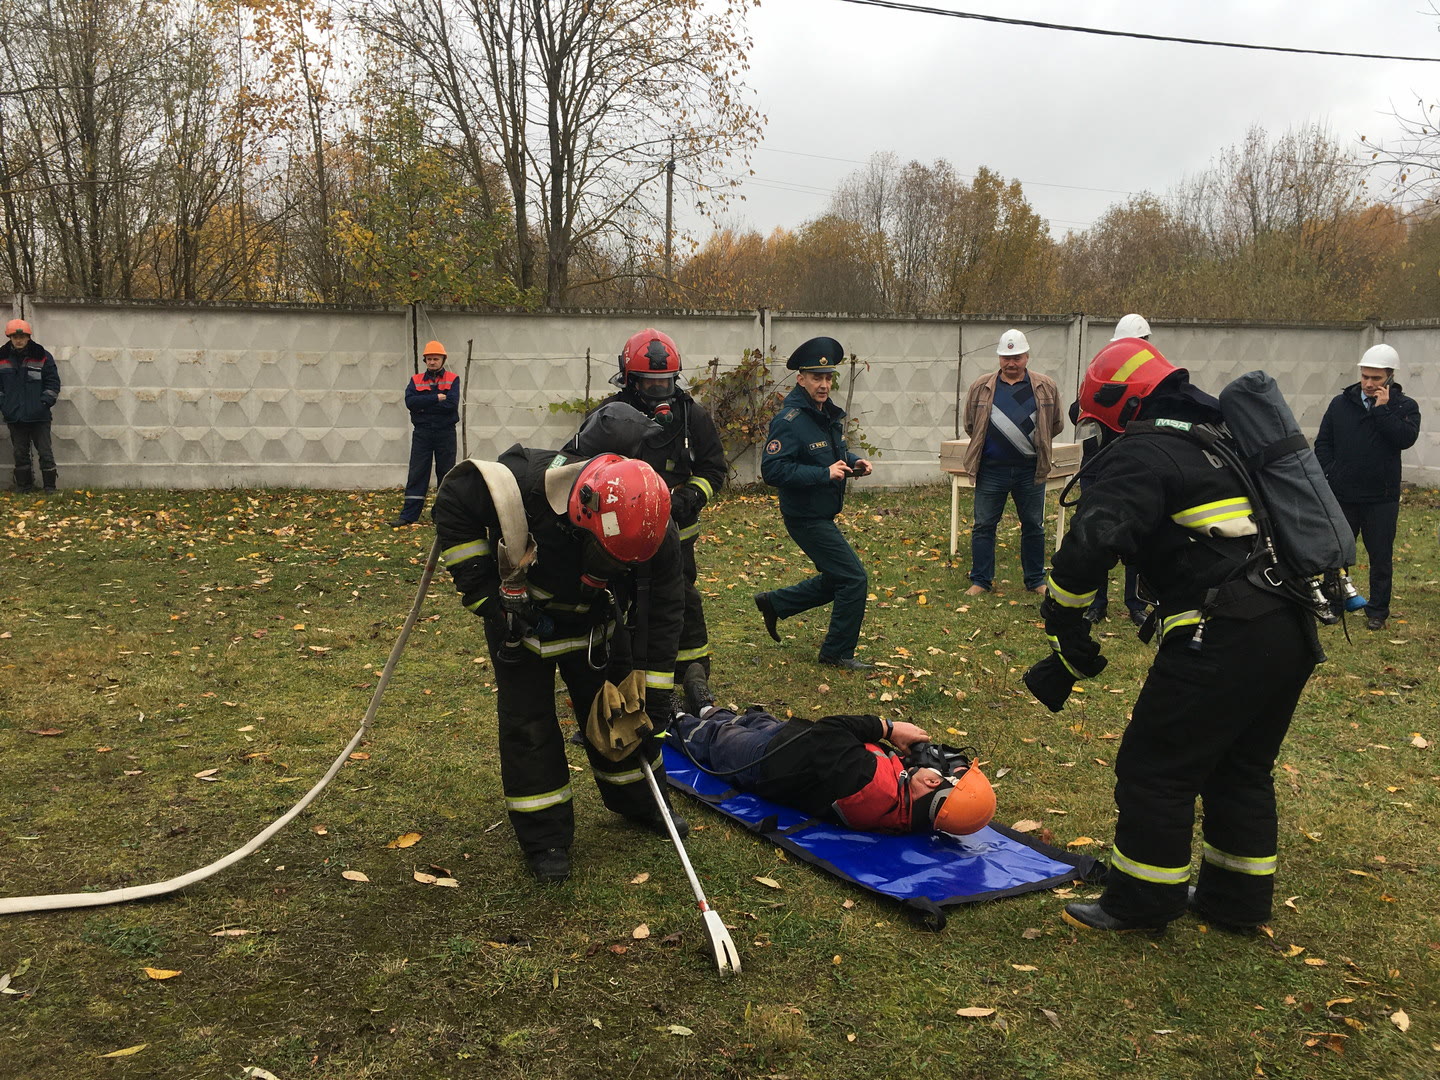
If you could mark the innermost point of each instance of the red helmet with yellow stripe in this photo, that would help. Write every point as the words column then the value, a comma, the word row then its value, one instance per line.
column 1122, row 375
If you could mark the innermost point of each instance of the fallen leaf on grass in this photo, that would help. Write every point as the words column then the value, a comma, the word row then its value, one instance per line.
column 673, row 939
column 1293, row 950
column 1082, row 841
column 641, row 932
column 848, row 904
column 319, row 830
column 1052, row 1017
column 44, row 731
column 1400, row 1019
column 1025, row 825
column 1360, row 873
column 1024, row 967
column 619, row 950
column 975, row 1012
column 1030, row 933
column 204, row 774
column 353, row 875
column 1315, row 961
column 1420, row 742
column 640, row 879
column 160, row 973
column 359, row 755
column 678, row 1029
column 232, row 933
column 1290, row 903
column 127, row 1051
column 254, row 1072
column 769, row 883
column 409, row 839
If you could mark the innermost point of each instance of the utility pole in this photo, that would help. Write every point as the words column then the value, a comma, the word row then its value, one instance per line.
column 669, row 210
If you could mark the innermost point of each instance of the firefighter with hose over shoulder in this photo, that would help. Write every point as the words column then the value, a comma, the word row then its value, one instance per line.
column 573, row 564
column 1236, row 644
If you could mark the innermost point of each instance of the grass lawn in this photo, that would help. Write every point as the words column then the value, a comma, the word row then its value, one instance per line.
column 177, row 668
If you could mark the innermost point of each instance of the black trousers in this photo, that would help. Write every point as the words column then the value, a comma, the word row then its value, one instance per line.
column 694, row 644
column 24, row 436
column 427, row 446
column 1208, row 724
column 1374, row 524
column 534, row 772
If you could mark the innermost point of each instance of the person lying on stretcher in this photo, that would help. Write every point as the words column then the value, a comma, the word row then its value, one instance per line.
column 837, row 768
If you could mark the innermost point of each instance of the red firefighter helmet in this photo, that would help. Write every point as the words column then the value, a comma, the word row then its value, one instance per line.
column 647, row 358
column 1122, row 375
column 968, row 807
column 624, row 504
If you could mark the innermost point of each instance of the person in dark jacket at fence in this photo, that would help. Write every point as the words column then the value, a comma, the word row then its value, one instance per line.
column 1365, row 428
column 807, row 459
column 29, row 387
column 433, row 398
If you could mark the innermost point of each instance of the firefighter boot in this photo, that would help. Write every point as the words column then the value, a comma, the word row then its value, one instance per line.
column 550, row 865
column 697, row 690
column 48, row 477
column 1095, row 917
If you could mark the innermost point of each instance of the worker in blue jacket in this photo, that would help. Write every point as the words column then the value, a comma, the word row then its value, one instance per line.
column 29, row 387
column 433, row 398
column 807, row 460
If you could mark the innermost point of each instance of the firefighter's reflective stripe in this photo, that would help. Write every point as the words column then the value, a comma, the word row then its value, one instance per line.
column 560, row 646
column 1225, row 517
column 686, row 655
column 1179, row 619
column 1055, row 647
column 1159, row 875
column 630, row 776
column 1258, row 867
column 689, row 532
column 453, row 557
column 1134, row 364
column 1066, row 598
column 528, row 804
column 477, row 605
column 704, row 485
column 547, row 600
column 659, row 680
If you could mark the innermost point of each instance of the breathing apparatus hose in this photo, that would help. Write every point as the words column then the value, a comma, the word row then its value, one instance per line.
column 15, row 905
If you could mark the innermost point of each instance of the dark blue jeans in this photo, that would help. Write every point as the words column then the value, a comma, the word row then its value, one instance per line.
column 725, row 743
column 841, row 579
column 994, row 484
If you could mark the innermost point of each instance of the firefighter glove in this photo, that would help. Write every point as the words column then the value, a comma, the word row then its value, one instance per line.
column 686, row 502
column 1050, row 682
column 1069, row 636
column 618, row 723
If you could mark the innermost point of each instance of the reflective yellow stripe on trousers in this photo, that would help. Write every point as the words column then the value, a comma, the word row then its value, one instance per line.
column 1259, row 867
column 1158, row 875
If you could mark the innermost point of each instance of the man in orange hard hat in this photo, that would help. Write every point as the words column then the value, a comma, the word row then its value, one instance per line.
column 433, row 398
column 29, row 386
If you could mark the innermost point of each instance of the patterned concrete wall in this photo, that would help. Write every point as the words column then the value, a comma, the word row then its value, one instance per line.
column 220, row 397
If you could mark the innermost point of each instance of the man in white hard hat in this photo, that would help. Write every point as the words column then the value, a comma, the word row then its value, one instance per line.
column 1011, row 416
column 1365, row 428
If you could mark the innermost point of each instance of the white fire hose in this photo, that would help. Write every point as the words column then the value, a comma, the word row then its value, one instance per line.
column 15, row 905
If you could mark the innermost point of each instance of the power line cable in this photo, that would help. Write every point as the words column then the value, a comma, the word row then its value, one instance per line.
column 1035, row 24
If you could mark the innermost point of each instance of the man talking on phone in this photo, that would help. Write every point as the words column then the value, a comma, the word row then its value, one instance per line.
column 1365, row 428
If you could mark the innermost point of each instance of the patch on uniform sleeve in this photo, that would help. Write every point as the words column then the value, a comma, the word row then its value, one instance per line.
column 773, row 446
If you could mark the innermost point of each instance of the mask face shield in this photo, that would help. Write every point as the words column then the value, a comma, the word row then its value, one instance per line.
column 1089, row 428
column 656, row 388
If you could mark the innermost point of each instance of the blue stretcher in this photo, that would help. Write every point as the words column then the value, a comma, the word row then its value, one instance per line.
column 926, row 873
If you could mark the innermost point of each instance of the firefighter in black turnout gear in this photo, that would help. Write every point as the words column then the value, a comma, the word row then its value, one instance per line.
column 599, row 600
column 1232, row 660
column 687, row 453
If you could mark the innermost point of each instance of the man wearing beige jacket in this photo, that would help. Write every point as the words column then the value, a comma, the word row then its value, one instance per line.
column 1011, row 416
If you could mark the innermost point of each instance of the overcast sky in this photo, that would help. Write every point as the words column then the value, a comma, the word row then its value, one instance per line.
column 1061, row 112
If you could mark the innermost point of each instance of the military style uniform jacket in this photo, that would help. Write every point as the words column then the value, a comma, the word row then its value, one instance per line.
column 803, row 443
column 469, row 533
column 689, row 454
